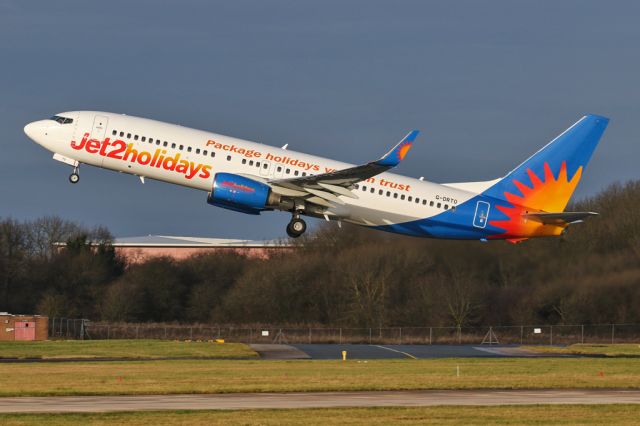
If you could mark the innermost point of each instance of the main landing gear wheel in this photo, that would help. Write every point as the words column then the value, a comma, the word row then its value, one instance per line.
column 296, row 227
column 74, row 178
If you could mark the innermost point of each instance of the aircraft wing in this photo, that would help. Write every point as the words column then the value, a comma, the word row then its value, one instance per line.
column 328, row 186
column 563, row 218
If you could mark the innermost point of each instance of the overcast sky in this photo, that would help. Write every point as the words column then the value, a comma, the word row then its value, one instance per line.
column 487, row 83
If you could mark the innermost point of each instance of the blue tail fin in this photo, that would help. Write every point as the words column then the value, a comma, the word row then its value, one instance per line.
column 547, row 179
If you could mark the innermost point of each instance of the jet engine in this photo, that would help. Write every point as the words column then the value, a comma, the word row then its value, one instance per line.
column 241, row 194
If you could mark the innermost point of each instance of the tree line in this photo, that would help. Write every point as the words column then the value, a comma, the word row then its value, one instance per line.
column 341, row 277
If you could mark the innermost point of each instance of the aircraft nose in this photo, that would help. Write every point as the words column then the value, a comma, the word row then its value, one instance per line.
column 34, row 129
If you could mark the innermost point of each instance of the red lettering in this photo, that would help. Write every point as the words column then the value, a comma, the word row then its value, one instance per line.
column 80, row 145
column 119, row 146
column 206, row 172
column 93, row 146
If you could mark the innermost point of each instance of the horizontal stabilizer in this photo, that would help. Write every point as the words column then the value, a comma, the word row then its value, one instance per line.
column 560, row 219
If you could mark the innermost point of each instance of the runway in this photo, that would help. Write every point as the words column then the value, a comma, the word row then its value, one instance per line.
column 362, row 351
column 80, row 404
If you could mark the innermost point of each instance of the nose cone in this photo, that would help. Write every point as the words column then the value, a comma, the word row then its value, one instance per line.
column 37, row 130
column 30, row 130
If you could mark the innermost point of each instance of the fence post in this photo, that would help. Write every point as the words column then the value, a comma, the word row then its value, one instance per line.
column 521, row 334
column 309, row 335
column 582, row 333
column 459, row 335
column 108, row 331
column 613, row 332
column 551, row 335
column 430, row 334
column 340, row 335
column 400, row 335
column 369, row 335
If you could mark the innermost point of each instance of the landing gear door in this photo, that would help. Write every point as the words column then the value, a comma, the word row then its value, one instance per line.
column 99, row 127
column 482, row 214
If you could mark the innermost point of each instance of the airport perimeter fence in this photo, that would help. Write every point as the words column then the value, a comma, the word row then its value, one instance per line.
column 523, row 335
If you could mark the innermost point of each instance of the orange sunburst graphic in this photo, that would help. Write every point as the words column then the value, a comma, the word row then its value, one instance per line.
column 403, row 150
column 550, row 195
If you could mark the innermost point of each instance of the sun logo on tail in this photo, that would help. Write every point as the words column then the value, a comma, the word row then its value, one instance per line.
column 548, row 195
column 402, row 150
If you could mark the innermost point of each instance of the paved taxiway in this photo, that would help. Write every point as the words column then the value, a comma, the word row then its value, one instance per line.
column 334, row 351
column 69, row 404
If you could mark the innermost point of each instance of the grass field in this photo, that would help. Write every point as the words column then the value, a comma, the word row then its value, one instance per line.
column 222, row 376
column 628, row 349
column 523, row 415
column 139, row 349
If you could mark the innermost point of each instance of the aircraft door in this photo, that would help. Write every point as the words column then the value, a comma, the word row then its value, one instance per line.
column 482, row 214
column 265, row 168
column 99, row 127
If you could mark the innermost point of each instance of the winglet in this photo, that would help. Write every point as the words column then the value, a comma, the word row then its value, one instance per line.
column 398, row 152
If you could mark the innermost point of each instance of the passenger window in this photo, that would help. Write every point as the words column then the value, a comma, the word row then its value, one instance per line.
column 213, row 154
column 181, row 147
column 128, row 135
column 453, row 209
column 446, row 206
column 173, row 145
column 373, row 190
column 388, row 193
column 135, row 138
column 265, row 165
column 417, row 200
column 197, row 150
column 364, row 188
column 424, row 202
column 295, row 172
column 165, row 143
column 188, row 149
column 150, row 140
column 244, row 161
column 251, row 162
column 395, row 195
column 115, row 132
column 357, row 186
column 402, row 197
column 288, row 171
column 121, row 134
column 204, row 152
column 158, row 142
column 228, row 158
column 279, row 168
column 257, row 164
column 144, row 139
column 439, row 204
column 380, row 191
column 410, row 198
column 304, row 173
column 430, row 203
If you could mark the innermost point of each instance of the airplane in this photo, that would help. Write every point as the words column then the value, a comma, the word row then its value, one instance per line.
column 252, row 178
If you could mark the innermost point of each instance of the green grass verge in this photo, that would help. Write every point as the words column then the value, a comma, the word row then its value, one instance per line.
column 627, row 349
column 445, row 415
column 140, row 349
column 224, row 376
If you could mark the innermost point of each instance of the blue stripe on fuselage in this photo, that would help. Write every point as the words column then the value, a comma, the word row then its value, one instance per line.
column 451, row 224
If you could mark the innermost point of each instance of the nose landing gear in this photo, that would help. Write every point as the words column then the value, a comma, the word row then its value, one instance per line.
column 74, row 177
column 296, row 227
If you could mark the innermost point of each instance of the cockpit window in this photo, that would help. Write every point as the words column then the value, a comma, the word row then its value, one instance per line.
column 62, row 120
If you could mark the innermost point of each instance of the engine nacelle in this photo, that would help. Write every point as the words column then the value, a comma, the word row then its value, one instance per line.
column 241, row 194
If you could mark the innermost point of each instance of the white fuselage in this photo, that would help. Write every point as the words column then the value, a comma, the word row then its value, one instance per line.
column 191, row 158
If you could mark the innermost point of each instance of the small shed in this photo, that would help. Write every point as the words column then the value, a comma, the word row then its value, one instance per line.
column 23, row 327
